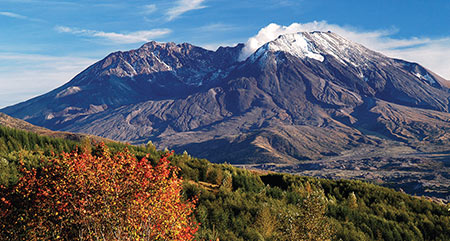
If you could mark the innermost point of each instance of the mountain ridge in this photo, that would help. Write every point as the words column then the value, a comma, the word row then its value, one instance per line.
column 277, row 105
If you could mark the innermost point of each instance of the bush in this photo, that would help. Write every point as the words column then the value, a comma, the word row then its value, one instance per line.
column 87, row 196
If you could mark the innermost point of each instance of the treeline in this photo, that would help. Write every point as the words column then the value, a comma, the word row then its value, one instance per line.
column 17, row 145
column 249, row 205
column 238, row 204
column 31, row 148
column 12, row 140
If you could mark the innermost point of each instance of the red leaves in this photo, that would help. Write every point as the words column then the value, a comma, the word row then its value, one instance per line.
column 6, row 202
column 83, row 196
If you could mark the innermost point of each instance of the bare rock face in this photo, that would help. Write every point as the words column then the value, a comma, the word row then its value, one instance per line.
column 303, row 96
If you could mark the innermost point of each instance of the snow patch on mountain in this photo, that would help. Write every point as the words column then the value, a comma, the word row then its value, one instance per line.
column 426, row 77
column 345, row 51
column 317, row 45
column 294, row 44
column 68, row 91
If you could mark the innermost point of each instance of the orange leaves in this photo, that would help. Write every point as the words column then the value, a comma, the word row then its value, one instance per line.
column 98, row 194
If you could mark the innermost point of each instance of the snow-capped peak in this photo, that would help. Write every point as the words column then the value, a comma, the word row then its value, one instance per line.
column 296, row 44
column 317, row 45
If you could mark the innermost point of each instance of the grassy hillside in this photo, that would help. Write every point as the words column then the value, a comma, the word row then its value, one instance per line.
column 239, row 204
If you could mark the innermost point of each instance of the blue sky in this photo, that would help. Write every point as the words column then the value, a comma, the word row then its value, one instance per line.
column 44, row 43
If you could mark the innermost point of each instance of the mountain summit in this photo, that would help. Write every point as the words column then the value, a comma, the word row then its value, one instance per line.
column 316, row 45
column 301, row 96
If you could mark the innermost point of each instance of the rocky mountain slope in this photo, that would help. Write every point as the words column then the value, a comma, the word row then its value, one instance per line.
column 303, row 96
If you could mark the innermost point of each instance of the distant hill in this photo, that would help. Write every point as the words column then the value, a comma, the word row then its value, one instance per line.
column 11, row 122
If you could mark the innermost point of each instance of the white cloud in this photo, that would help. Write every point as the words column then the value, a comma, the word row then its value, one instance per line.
column 150, row 8
column 183, row 6
column 42, row 73
column 18, row 16
column 12, row 15
column 132, row 37
column 216, row 27
column 434, row 55
column 431, row 53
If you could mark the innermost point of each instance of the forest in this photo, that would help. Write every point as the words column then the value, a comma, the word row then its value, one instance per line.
column 73, row 187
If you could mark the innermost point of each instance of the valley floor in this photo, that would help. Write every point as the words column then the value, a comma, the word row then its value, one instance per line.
column 418, row 172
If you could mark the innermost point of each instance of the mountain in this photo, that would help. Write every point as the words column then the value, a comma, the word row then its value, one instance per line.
column 154, row 71
column 302, row 96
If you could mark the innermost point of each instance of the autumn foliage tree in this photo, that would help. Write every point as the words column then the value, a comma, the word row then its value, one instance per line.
column 98, row 195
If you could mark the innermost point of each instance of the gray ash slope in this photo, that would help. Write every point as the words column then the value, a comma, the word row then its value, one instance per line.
column 303, row 96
